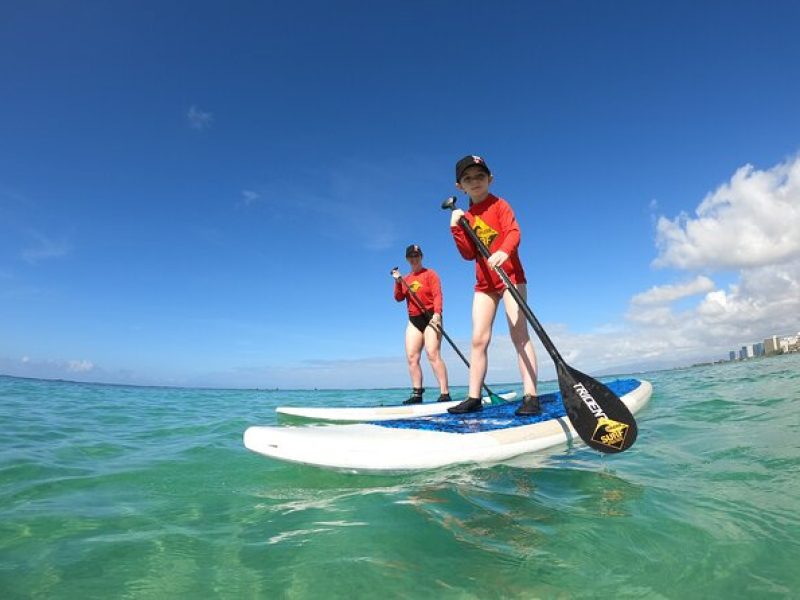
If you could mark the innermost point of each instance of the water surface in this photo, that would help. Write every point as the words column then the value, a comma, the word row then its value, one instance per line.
column 126, row 492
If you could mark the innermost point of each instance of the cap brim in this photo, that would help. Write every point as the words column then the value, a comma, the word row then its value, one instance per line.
column 482, row 166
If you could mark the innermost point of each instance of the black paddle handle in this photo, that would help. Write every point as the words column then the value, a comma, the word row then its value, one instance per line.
column 413, row 295
column 450, row 203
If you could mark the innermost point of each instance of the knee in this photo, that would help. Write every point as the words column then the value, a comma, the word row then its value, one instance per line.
column 480, row 342
column 434, row 357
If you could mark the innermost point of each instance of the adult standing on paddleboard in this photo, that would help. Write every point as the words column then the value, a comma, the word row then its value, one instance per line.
column 493, row 220
column 422, row 286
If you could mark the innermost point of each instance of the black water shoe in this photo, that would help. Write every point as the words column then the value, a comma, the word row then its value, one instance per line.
column 444, row 398
column 416, row 396
column 467, row 406
column 529, row 407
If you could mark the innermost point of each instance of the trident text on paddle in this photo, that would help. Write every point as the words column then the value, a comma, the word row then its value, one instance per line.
column 590, row 402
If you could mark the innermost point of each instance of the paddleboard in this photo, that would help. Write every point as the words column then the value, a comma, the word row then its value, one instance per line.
column 375, row 413
column 491, row 435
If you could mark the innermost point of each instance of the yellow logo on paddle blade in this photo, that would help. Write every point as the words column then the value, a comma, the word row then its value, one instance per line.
column 415, row 285
column 485, row 233
column 610, row 433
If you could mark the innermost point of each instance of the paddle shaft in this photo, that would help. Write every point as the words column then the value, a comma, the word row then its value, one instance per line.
column 413, row 295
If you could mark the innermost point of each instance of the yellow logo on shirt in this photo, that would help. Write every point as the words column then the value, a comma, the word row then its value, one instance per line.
column 485, row 233
column 415, row 285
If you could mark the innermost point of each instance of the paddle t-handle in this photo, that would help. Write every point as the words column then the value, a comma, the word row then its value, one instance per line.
column 449, row 204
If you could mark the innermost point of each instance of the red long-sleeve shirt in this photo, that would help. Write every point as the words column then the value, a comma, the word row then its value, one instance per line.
column 428, row 288
column 496, row 226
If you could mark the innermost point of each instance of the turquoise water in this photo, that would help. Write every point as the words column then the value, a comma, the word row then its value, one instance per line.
column 123, row 492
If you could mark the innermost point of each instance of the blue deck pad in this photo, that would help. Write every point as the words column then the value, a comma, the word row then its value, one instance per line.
column 500, row 416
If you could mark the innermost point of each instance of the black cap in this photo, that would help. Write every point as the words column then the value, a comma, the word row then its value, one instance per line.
column 469, row 161
column 413, row 249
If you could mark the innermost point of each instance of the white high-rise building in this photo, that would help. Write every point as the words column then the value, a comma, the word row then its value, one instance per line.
column 771, row 345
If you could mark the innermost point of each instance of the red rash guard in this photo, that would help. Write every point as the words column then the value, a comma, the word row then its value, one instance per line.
column 494, row 222
column 427, row 287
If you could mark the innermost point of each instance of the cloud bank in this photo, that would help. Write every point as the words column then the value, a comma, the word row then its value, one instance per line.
column 752, row 221
column 749, row 225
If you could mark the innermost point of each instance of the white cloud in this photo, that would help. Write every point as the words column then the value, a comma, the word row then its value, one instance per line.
column 665, row 294
column 44, row 248
column 249, row 197
column 80, row 366
column 199, row 119
column 751, row 221
column 76, row 370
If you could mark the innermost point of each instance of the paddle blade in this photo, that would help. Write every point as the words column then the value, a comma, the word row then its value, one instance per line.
column 599, row 417
column 494, row 400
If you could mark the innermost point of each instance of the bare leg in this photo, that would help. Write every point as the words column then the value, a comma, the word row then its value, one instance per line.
column 484, row 309
column 414, row 343
column 518, row 329
column 433, row 348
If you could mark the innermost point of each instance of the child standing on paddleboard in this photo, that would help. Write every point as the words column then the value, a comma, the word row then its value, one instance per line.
column 422, row 291
column 493, row 221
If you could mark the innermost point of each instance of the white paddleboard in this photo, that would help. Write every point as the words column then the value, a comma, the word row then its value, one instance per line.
column 491, row 435
column 376, row 413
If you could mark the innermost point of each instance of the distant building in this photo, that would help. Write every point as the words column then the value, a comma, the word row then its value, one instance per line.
column 771, row 345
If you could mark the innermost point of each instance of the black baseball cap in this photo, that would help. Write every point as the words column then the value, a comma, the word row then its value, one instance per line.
column 413, row 249
column 469, row 161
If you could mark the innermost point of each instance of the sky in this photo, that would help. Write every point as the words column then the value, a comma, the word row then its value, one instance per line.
column 213, row 194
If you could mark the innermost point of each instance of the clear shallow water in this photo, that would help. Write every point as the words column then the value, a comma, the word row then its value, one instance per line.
column 122, row 492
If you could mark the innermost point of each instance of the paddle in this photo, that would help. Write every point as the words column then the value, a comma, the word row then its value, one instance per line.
column 494, row 398
column 599, row 417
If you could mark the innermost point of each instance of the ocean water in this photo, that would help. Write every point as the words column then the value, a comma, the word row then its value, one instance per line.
column 125, row 492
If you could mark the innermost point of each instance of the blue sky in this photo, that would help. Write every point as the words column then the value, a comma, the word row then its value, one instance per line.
column 214, row 194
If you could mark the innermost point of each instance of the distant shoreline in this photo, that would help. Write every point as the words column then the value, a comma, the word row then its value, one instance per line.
column 275, row 389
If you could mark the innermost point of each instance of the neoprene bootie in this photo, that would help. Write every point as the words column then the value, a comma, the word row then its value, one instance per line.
column 530, row 406
column 467, row 406
column 415, row 397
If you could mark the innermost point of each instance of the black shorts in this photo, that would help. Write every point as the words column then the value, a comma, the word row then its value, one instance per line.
column 420, row 322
